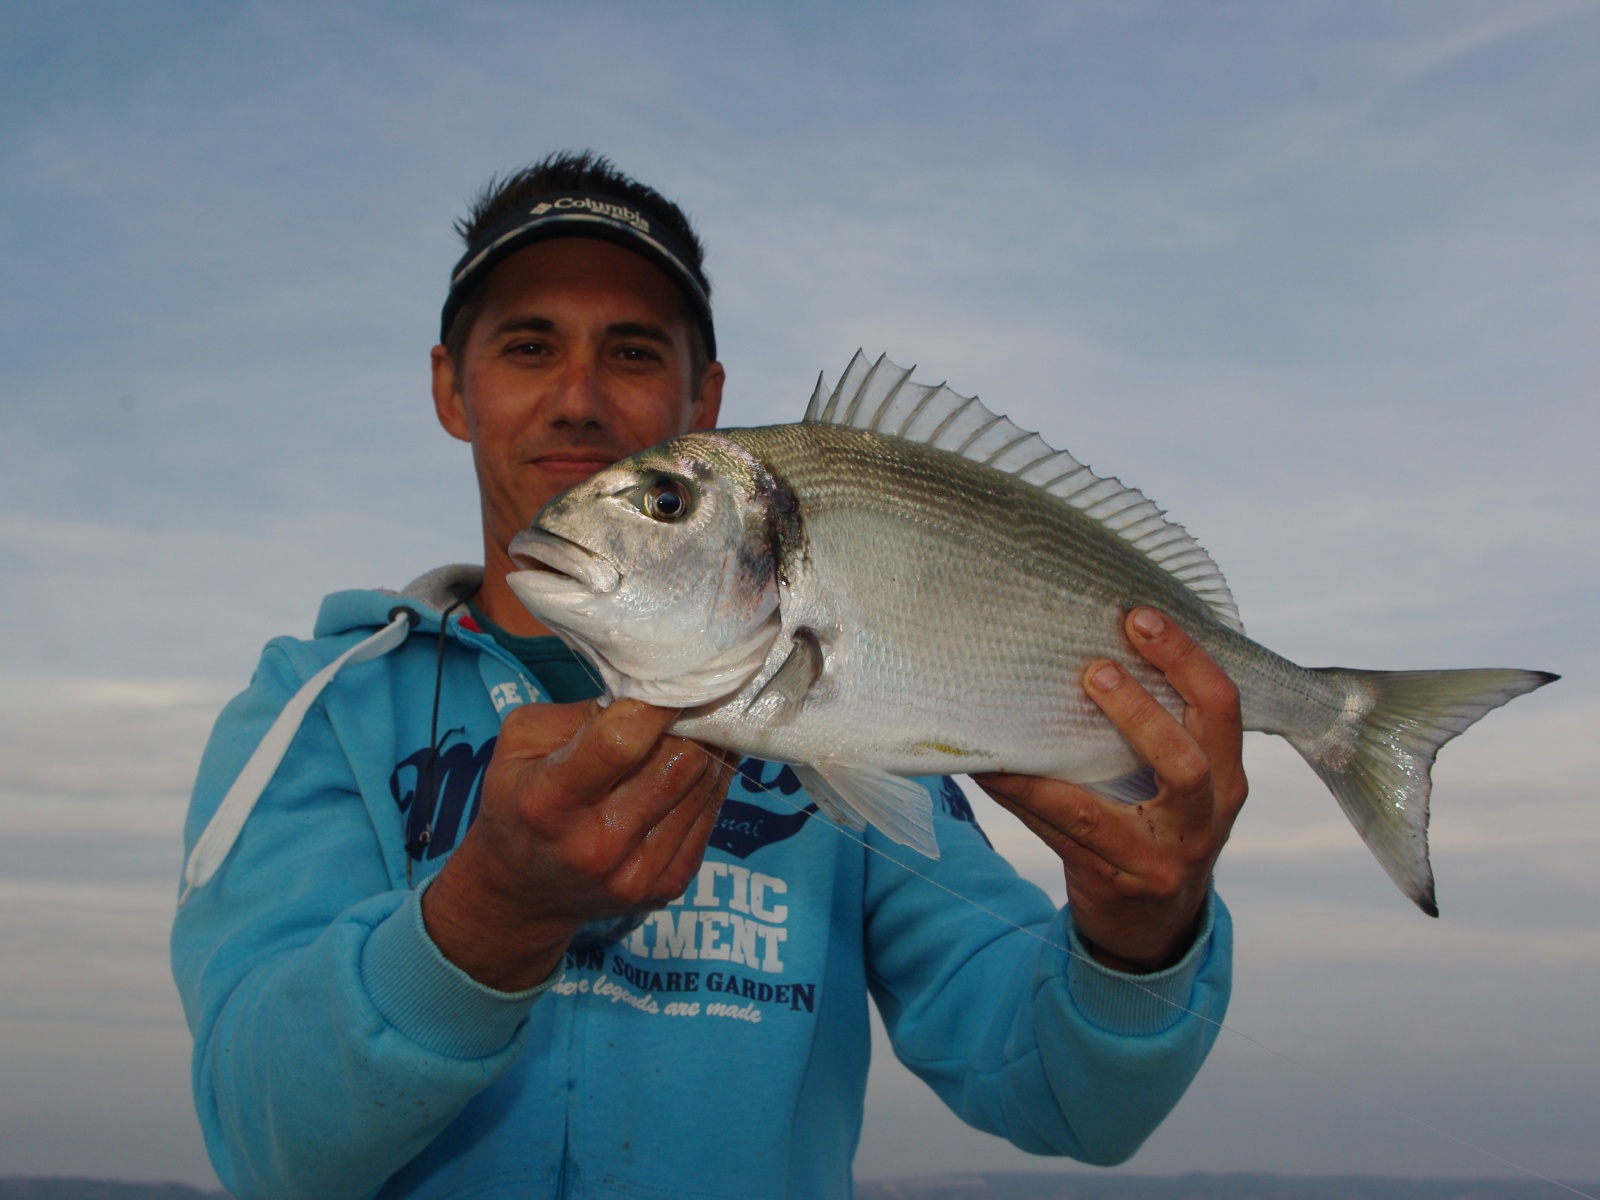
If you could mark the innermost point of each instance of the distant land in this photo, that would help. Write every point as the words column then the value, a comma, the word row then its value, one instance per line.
column 991, row 1186
column 17, row 1187
column 1039, row 1186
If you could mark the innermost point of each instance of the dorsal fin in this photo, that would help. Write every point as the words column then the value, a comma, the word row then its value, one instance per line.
column 879, row 397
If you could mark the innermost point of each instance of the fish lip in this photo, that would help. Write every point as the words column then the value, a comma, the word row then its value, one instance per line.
column 536, row 549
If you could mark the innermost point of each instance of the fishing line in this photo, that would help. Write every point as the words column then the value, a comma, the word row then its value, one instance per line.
column 1219, row 1025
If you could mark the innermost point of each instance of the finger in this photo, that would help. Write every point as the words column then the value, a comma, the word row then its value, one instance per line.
column 1111, row 845
column 729, row 760
column 1091, row 832
column 1214, row 715
column 669, row 851
column 676, row 769
column 1155, row 735
column 673, row 772
column 687, row 861
column 1192, row 672
column 536, row 730
column 692, row 848
column 611, row 744
column 1048, row 806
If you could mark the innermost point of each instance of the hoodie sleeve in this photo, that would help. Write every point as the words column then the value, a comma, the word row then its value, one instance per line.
column 332, row 1040
column 988, row 996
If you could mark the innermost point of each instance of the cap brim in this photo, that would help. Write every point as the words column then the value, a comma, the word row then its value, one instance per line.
column 514, row 234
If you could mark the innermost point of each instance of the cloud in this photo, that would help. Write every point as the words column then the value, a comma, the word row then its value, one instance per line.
column 106, row 738
column 1318, row 278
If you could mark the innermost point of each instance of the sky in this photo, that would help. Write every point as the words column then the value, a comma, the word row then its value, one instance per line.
column 1321, row 278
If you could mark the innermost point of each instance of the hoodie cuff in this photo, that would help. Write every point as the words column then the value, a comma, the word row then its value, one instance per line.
column 430, row 1000
column 1137, row 1005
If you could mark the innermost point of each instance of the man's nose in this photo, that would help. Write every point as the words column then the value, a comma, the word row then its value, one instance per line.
column 578, row 397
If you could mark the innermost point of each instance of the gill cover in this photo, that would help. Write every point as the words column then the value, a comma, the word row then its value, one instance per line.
column 662, row 570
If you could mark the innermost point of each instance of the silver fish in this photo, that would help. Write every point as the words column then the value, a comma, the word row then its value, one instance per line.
column 908, row 584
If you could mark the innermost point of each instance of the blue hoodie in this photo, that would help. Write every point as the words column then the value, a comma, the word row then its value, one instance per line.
column 719, row 1050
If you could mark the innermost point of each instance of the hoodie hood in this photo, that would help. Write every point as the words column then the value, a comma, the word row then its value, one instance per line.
column 427, row 595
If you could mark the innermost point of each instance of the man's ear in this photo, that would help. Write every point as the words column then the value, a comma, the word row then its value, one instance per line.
column 708, row 403
column 447, row 400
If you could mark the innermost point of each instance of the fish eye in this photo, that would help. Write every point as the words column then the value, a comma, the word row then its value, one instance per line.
column 667, row 500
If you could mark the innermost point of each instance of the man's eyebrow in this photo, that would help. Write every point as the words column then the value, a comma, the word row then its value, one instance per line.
column 635, row 329
column 525, row 325
column 620, row 329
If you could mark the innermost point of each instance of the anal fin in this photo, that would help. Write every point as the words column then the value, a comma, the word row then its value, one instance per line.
column 852, row 796
column 1136, row 788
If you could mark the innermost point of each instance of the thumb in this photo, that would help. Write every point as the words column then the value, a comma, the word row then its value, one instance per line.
column 536, row 730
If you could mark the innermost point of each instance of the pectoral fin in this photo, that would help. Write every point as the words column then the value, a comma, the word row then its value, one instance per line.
column 902, row 810
column 786, row 690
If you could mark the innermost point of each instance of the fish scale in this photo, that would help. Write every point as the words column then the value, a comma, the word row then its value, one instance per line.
column 961, row 616
column 908, row 584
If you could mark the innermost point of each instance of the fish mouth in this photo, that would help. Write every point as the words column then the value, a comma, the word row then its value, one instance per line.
column 536, row 549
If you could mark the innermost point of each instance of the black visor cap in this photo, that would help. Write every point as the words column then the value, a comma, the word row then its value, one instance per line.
column 581, row 214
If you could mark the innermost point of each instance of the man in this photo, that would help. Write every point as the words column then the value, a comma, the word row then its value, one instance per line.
column 411, row 953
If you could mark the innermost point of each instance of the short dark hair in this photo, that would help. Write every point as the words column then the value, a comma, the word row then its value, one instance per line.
column 573, row 171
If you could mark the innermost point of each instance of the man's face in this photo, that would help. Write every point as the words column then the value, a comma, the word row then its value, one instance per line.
column 579, row 356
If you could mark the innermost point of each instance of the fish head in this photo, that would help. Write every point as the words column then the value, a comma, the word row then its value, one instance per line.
column 663, row 569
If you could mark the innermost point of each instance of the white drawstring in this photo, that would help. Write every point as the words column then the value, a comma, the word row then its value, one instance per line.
column 226, row 823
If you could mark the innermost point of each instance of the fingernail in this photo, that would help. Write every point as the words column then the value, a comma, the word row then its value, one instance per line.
column 1104, row 678
column 1148, row 622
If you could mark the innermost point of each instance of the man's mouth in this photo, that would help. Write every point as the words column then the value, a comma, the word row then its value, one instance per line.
column 575, row 466
column 536, row 550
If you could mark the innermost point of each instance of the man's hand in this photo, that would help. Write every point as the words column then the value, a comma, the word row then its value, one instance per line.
column 1138, row 874
column 586, row 813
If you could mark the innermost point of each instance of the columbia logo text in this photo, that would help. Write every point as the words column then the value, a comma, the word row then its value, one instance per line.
column 616, row 212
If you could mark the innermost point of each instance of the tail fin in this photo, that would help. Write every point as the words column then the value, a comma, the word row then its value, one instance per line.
column 1377, row 756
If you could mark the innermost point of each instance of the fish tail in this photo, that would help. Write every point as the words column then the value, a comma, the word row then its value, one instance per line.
column 1377, row 755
